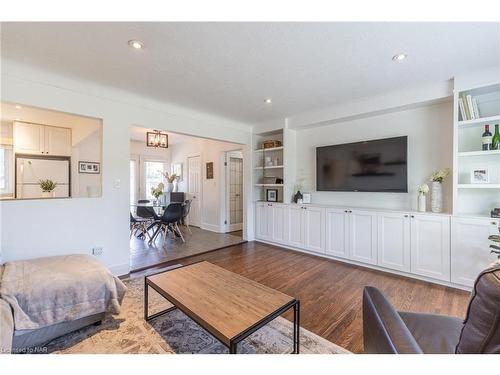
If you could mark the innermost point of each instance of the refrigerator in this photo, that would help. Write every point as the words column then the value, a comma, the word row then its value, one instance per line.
column 30, row 170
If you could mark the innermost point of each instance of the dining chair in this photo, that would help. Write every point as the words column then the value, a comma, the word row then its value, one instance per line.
column 169, row 221
column 185, row 212
column 138, row 224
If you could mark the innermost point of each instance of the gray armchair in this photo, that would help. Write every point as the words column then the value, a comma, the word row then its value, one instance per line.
column 388, row 331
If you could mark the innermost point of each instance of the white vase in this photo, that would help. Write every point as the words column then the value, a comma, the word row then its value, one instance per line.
column 176, row 187
column 170, row 187
column 422, row 202
column 436, row 197
column 45, row 194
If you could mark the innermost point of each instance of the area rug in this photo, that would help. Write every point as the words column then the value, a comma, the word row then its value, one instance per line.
column 174, row 332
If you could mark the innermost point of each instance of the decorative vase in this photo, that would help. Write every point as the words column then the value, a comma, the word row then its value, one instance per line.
column 421, row 202
column 176, row 187
column 45, row 194
column 297, row 196
column 170, row 187
column 437, row 197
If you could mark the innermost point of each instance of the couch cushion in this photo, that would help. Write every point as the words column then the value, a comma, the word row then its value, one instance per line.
column 481, row 330
column 435, row 334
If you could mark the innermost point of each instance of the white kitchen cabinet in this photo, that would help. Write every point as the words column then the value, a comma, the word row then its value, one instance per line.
column 470, row 252
column 430, row 246
column 28, row 138
column 35, row 139
column 394, row 241
column 314, row 228
column 337, row 232
column 363, row 236
column 295, row 226
column 278, row 220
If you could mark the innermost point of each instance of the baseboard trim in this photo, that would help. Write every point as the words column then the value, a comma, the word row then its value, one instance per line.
column 371, row 266
column 212, row 228
column 120, row 269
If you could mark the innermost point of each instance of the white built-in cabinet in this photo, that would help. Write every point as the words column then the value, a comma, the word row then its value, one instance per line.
column 36, row 139
column 430, row 246
column 470, row 252
column 413, row 243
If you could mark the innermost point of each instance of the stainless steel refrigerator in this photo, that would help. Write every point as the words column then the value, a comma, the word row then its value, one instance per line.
column 30, row 170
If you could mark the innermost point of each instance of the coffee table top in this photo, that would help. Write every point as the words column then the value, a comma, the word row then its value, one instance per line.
column 224, row 303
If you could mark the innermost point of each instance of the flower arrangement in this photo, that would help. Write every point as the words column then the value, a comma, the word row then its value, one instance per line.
column 47, row 185
column 157, row 191
column 170, row 177
column 439, row 175
column 423, row 189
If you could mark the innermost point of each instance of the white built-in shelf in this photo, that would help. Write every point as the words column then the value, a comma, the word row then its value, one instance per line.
column 480, row 121
column 478, row 186
column 273, row 167
column 479, row 153
column 269, row 185
column 269, row 149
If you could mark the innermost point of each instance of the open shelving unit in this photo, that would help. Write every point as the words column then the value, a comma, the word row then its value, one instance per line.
column 476, row 199
column 268, row 166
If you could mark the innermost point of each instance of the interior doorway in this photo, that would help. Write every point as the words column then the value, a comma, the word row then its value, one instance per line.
column 234, row 190
column 194, row 190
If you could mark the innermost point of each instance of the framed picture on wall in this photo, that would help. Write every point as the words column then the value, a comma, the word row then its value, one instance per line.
column 480, row 176
column 272, row 195
column 176, row 169
column 89, row 167
column 210, row 170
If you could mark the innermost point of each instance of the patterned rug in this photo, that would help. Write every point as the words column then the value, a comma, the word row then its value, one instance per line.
column 175, row 332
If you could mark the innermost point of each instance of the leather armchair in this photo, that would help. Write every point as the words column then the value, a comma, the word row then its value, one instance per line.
column 388, row 331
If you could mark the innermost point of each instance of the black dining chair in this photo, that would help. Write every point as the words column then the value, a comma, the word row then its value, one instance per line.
column 169, row 221
column 138, row 224
column 185, row 212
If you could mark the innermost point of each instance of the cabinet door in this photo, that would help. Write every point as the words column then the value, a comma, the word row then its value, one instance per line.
column 314, row 221
column 337, row 232
column 295, row 226
column 262, row 221
column 28, row 138
column 430, row 246
column 278, row 215
column 57, row 141
column 363, row 236
column 394, row 241
column 470, row 252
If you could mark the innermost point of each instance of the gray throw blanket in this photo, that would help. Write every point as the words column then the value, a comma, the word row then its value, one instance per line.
column 51, row 290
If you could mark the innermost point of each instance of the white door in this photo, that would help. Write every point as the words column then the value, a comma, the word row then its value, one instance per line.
column 295, row 226
column 262, row 221
column 235, row 193
column 278, row 219
column 314, row 221
column 470, row 252
column 28, row 138
column 57, row 141
column 394, row 241
column 363, row 236
column 194, row 190
column 337, row 232
column 430, row 246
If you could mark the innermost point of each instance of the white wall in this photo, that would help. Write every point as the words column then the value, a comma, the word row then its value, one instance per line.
column 212, row 205
column 430, row 140
column 65, row 226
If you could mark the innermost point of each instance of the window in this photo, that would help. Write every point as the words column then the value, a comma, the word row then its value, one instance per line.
column 152, row 175
column 6, row 186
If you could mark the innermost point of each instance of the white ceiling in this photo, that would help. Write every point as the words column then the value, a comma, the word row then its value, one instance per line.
column 230, row 68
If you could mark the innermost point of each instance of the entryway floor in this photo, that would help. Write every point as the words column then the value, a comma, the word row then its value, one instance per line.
column 143, row 255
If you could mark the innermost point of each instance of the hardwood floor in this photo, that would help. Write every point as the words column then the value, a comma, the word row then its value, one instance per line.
column 330, row 292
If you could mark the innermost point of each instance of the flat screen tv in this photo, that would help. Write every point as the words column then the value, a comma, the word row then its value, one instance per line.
column 372, row 166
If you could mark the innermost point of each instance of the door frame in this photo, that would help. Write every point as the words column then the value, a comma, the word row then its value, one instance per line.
column 225, row 202
column 200, row 195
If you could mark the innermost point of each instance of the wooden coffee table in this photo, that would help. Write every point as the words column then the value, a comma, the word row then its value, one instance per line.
column 229, row 306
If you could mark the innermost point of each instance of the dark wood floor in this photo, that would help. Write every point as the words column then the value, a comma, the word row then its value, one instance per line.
column 330, row 291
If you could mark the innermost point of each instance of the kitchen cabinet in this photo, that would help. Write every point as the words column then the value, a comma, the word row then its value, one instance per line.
column 38, row 139
column 295, row 226
column 314, row 229
column 337, row 232
column 470, row 253
column 363, row 236
column 394, row 241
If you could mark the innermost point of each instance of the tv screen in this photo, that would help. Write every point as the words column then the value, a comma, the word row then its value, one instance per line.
column 373, row 166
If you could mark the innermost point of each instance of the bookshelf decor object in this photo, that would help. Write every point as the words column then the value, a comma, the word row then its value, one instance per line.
column 268, row 167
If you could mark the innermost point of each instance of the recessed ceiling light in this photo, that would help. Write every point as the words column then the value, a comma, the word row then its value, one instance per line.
column 18, row 106
column 268, row 101
column 137, row 44
column 399, row 57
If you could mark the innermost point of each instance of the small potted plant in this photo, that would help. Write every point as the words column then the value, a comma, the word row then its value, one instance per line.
column 170, row 181
column 423, row 190
column 157, row 192
column 48, row 187
column 437, row 179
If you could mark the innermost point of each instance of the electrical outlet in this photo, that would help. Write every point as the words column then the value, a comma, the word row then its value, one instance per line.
column 97, row 251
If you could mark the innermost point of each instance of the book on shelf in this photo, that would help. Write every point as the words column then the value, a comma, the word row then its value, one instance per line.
column 468, row 108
